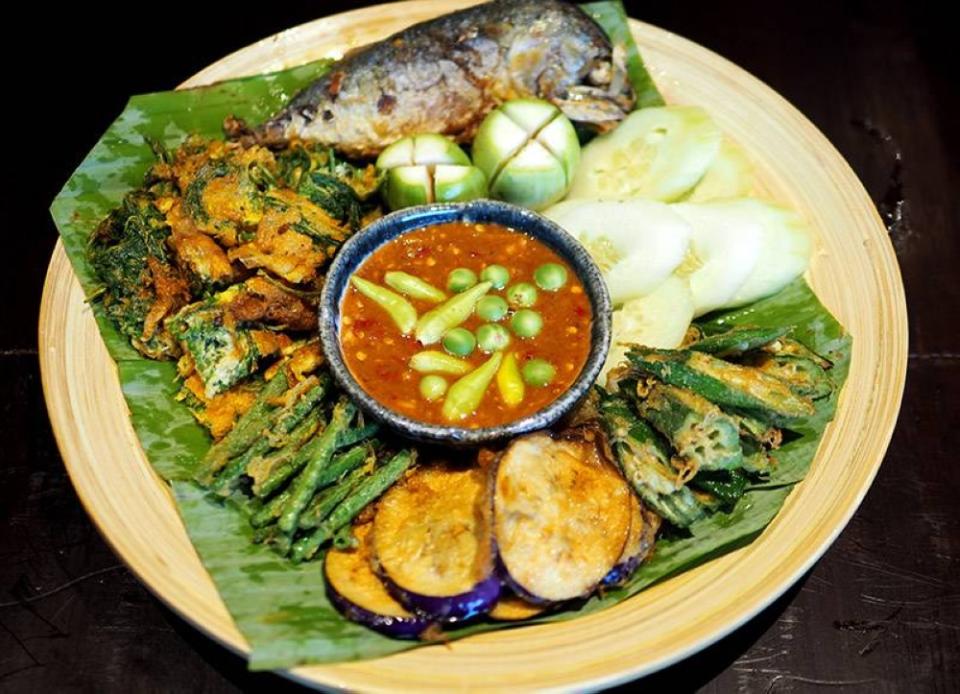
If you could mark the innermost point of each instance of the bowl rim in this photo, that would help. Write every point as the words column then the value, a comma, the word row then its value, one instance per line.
column 357, row 249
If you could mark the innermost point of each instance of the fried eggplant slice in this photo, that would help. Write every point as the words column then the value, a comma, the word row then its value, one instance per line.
column 644, row 525
column 433, row 544
column 358, row 593
column 561, row 516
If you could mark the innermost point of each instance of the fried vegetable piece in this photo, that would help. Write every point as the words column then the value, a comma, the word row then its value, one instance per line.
column 723, row 383
column 561, row 515
column 433, row 542
column 804, row 376
column 224, row 336
column 786, row 346
column 737, row 341
column 305, row 486
column 359, row 593
column 644, row 460
column 367, row 491
column 247, row 429
column 141, row 286
column 704, row 437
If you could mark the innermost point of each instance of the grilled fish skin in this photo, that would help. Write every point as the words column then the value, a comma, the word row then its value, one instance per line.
column 444, row 75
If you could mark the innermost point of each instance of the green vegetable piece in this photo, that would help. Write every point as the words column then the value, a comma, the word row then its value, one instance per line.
column 804, row 376
column 402, row 312
column 538, row 373
column 367, row 491
column 492, row 337
column 726, row 384
column 279, row 476
column 461, row 279
column 703, row 435
column 510, row 382
column 497, row 275
column 465, row 395
column 433, row 387
column 786, row 346
column 285, row 422
column 327, row 500
column 643, row 457
column 737, row 341
column 726, row 485
column 422, row 150
column 245, row 432
column 459, row 341
column 414, row 287
column 434, row 324
column 522, row 295
column 526, row 323
column 550, row 276
column 492, row 308
column 437, row 362
column 458, row 183
column 305, row 486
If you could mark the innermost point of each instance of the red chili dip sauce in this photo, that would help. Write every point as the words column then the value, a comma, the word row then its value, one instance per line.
column 542, row 357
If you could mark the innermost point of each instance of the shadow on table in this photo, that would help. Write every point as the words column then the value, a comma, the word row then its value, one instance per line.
column 687, row 675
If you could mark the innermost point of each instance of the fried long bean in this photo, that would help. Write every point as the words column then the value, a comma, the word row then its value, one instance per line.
column 367, row 491
column 305, row 486
column 245, row 432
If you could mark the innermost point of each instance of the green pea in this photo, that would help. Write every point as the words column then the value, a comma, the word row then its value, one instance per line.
column 522, row 295
column 550, row 276
column 497, row 275
column 526, row 323
column 461, row 279
column 459, row 341
column 433, row 387
column 492, row 338
column 492, row 308
column 538, row 372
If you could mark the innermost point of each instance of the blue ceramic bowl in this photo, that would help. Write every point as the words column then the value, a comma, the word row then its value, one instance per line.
column 355, row 251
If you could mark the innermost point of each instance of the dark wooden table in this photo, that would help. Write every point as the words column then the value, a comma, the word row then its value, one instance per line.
column 879, row 613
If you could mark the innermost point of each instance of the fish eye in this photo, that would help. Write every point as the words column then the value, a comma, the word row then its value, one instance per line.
column 601, row 73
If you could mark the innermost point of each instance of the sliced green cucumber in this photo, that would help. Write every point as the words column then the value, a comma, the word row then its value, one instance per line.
column 659, row 153
column 784, row 254
column 636, row 243
column 725, row 251
column 730, row 176
column 659, row 319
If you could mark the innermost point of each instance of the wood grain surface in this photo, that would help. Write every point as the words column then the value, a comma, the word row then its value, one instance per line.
column 885, row 629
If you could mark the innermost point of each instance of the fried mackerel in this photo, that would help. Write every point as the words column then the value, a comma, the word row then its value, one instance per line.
column 444, row 75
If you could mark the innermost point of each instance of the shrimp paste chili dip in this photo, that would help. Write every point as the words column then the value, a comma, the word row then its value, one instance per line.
column 465, row 324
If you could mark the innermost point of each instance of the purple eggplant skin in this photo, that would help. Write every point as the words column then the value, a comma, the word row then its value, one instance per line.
column 517, row 588
column 622, row 572
column 448, row 609
column 394, row 627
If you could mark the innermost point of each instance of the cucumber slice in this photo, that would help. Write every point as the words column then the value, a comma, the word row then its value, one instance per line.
column 659, row 153
column 659, row 319
column 730, row 176
column 785, row 252
column 636, row 243
column 726, row 249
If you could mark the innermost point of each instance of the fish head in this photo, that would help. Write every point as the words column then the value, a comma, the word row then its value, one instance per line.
column 604, row 96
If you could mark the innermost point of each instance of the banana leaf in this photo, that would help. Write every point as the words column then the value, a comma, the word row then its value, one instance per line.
column 282, row 609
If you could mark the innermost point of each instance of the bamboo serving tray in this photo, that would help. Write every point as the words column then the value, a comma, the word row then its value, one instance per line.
column 854, row 272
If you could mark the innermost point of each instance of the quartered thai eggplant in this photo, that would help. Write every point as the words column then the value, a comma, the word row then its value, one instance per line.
column 644, row 525
column 561, row 515
column 358, row 593
column 433, row 545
